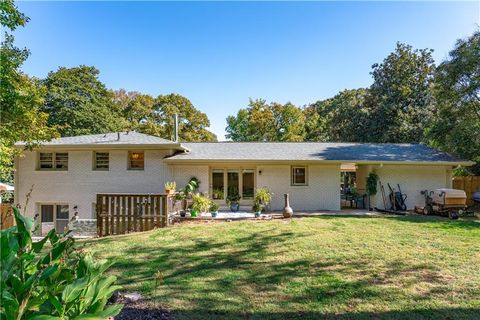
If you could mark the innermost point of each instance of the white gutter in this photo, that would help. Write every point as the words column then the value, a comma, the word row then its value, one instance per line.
column 363, row 162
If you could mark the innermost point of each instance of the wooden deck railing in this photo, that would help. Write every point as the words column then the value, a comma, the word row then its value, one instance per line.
column 125, row 213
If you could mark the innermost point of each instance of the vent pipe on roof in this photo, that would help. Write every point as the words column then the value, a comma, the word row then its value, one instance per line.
column 118, row 135
column 175, row 124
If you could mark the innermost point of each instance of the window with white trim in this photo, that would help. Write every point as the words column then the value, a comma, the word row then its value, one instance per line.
column 101, row 161
column 53, row 161
column 299, row 176
column 136, row 160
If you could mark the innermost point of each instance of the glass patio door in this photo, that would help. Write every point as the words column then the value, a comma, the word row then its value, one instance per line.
column 230, row 182
column 62, row 219
column 233, row 183
column 55, row 215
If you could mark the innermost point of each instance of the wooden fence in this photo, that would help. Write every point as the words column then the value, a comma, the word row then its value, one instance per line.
column 125, row 213
column 7, row 219
column 469, row 184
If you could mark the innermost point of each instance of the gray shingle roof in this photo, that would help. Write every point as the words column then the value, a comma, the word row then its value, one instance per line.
column 308, row 151
column 112, row 138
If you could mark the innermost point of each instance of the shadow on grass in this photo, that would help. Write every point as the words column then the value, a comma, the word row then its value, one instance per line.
column 418, row 314
column 437, row 221
column 241, row 276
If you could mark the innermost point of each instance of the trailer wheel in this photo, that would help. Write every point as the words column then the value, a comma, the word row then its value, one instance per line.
column 453, row 215
column 428, row 210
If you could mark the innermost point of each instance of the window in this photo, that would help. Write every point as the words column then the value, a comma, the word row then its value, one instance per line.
column 136, row 160
column 46, row 160
column 233, row 182
column 101, row 161
column 53, row 161
column 61, row 161
column 248, row 184
column 217, row 185
column 47, row 213
column 299, row 176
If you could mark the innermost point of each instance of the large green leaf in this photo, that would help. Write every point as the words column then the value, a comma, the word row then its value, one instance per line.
column 42, row 317
column 73, row 290
column 37, row 246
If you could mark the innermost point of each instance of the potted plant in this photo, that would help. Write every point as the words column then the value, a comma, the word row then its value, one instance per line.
column 200, row 204
column 184, row 194
column 217, row 194
column 257, row 209
column 170, row 187
column 233, row 201
column 213, row 209
column 371, row 187
column 182, row 197
column 263, row 197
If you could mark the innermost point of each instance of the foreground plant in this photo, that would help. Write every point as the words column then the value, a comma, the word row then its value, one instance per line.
column 51, row 282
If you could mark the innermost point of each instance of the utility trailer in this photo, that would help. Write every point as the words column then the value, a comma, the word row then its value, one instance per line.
column 445, row 202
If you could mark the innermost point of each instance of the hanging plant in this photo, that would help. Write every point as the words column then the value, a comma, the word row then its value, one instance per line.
column 372, row 182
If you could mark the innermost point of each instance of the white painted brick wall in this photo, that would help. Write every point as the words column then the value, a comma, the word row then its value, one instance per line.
column 412, row 180
column 322, row 192
column 182, row 174
column 80, row 184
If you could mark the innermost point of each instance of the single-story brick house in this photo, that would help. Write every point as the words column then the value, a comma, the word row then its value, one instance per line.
column 67, row 173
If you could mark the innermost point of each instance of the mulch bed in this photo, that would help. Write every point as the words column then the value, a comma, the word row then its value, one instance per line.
column 139, row 308
column 143, row 310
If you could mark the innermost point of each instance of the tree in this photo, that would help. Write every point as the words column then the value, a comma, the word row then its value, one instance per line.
column 289, row 122
column 456, row 127
column 155, row 115
column 400, row 101
column 137, row 109
column 192, row 124
column 20, row 96
column 238, row 126
column 341, row 118
column 267, row 122
column 79, row 103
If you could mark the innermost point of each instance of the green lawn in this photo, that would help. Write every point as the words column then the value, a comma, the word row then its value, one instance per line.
column 321, row 267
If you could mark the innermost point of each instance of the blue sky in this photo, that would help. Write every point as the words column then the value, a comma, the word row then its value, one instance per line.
column 220, row 54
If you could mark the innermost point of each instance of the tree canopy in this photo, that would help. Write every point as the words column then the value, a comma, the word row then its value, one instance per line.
column 456, row 126
column 20, row 96
column 341, row 118
column 400, row 101
column 155, row 116
column 267, row 122
column 79, row 103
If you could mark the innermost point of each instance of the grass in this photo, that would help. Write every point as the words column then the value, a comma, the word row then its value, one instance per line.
column 319, row 267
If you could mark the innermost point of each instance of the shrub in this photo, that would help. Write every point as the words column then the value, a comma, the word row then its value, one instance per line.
column 263, row 196
column 213, row 206
column 200, row 203
column 51, row 282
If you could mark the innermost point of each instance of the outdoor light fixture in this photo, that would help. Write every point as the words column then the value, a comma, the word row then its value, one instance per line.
column 135, row 156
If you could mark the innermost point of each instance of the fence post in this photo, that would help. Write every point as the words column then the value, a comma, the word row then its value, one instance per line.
column 99, row 215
